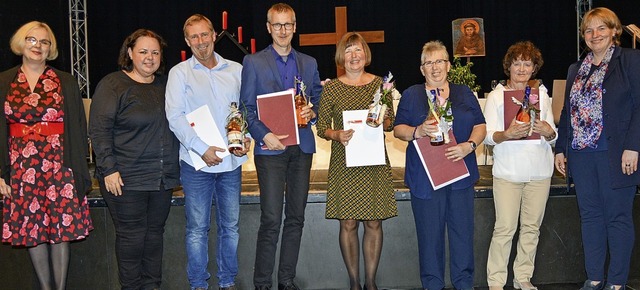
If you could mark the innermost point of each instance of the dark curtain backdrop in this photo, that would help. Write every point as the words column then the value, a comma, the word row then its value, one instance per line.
column 550, row 24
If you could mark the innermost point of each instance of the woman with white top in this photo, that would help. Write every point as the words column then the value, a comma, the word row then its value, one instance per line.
column 522, row 169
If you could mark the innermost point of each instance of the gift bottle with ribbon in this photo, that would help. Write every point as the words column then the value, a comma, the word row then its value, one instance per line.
column 300, row 101
column 235, row 128
column 377, row 110
column 438, row 137
column 527, row 113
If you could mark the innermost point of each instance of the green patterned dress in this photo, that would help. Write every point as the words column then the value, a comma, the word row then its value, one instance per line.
column 360, row 193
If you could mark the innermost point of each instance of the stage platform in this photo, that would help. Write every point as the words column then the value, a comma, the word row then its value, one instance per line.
column 559, row 263
column 318, row 187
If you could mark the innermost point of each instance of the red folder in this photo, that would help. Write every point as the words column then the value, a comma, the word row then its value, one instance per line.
column 441, row 171
column 511, row 109
column 278, row 112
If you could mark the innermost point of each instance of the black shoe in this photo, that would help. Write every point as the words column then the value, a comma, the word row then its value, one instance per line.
column 288, row 286
column 612, row 287
column 588, row 285
column 263, row 287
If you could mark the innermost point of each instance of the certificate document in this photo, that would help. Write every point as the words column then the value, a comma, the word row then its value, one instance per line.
column 441, row 171
column 202, row 122
column 366, row 147
column 278, row 112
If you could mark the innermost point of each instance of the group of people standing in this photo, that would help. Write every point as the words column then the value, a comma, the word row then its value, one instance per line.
column 142, row 140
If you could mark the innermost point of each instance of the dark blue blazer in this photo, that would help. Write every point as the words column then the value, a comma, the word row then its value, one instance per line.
column 260, row 76
column 620, row 109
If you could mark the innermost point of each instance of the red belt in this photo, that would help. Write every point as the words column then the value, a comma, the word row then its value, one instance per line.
column 40, row 128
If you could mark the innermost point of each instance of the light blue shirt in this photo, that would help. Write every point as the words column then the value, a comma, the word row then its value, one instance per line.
column 192, row 85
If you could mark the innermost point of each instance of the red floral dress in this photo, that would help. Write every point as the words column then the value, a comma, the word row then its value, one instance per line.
column 44, row 206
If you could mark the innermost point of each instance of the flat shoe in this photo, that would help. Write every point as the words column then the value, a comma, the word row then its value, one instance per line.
column 517, row 285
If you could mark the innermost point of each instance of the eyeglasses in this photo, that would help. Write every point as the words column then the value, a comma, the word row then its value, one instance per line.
column 438, row 62
column 33, row 41
column 278, row 26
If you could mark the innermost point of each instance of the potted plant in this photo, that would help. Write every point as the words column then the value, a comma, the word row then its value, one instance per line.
column 461, row 74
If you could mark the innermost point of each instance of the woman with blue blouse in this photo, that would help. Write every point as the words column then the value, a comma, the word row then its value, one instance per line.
column 450, row 207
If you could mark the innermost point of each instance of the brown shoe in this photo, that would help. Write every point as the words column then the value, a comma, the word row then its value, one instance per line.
column 232, row 287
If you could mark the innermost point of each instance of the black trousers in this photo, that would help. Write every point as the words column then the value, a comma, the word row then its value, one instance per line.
column 280, row 177
column 139, row 218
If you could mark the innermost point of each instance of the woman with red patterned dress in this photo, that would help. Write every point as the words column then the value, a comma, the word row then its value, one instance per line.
column 43, row 185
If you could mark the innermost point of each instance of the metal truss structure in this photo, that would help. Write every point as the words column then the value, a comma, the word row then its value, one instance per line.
column 79, row 44
column 582, row 6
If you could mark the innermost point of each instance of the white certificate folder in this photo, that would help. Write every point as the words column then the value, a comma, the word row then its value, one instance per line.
column 202, row 122
column 366, row 147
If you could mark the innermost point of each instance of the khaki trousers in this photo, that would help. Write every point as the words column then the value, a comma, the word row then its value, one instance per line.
column 512, row 199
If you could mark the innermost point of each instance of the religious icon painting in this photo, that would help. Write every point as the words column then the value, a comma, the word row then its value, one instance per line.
column 468, row 37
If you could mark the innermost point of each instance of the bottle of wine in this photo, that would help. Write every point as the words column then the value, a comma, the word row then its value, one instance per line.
column 300, row 100
column 235, row 128
column 377, row 110
column 523, row 113
column 438, row 138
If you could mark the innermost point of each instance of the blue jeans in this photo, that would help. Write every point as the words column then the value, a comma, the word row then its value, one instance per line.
column 200, row 190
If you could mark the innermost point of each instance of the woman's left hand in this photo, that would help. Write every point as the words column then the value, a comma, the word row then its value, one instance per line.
column 629, row 162
column 543, row 128
column 456, row 153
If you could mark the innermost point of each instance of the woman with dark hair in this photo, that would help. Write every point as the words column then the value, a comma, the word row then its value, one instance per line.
column 522, row 169
column 43, row 150
column 136, row 157
column 599, row 141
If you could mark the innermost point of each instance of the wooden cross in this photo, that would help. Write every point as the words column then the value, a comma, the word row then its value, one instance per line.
column 311, row 39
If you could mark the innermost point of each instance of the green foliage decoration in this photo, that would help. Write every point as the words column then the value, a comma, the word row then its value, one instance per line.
column 461, row 74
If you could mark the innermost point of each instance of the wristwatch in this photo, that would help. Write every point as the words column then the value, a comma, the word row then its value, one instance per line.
column 473, row 145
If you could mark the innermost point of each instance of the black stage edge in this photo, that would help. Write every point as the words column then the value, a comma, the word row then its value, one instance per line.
column 93, row 263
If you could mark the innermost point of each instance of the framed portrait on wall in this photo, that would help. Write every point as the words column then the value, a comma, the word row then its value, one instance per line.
column 468, row 37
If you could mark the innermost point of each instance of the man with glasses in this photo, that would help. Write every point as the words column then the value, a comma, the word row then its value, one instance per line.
column 207, row 79
column 278, row 167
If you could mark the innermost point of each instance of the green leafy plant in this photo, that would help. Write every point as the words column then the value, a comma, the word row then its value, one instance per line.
column 462, row 75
